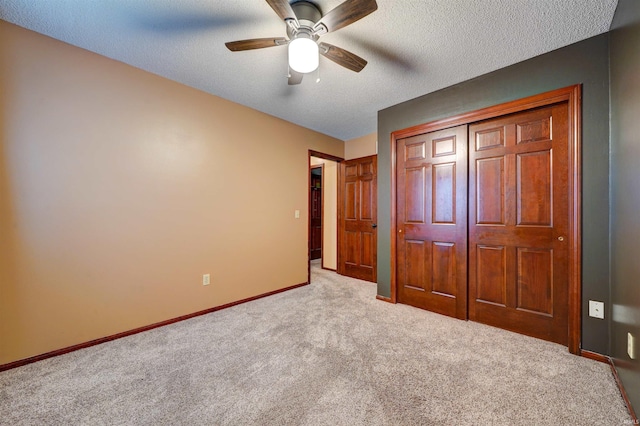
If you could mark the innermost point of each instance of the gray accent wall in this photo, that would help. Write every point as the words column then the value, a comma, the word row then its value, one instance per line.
column 625, row 192
column 585, row 63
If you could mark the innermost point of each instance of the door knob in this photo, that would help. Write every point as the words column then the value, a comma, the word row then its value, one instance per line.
column 374, row 225
column 560, row 238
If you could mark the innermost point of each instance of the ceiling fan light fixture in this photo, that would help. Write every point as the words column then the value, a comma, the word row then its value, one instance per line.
column 303, row 55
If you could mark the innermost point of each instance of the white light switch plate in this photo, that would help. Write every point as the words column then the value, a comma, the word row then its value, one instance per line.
column 596, row 309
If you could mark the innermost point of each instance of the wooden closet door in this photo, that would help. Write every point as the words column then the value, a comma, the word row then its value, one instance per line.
column 431, row 221
column 519, row 222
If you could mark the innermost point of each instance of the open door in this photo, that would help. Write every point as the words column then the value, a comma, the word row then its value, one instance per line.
column 357, row 216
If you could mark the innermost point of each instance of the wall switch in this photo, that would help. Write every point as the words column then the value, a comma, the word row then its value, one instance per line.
column 297, row 214
column 206, row 279
column 631, row 346
column 596, row 309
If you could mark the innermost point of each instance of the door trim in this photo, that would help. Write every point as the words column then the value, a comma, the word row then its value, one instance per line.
column 573, row 96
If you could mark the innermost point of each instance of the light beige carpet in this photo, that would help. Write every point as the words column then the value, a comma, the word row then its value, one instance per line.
column 323, row 354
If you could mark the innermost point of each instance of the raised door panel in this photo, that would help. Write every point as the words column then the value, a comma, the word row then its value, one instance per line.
column 415, row 265
column 414, row 195
column 351, row 170
column 535, row 281
column 443, row 269
column 367, row 249
column 443, row 193
column 491, row 274
column 351, row 201
column 490, row 191
column 352, row 253
column 443, row 146
column 535, row 128
column 489, row 138
column 366, row 199
column 534, row 186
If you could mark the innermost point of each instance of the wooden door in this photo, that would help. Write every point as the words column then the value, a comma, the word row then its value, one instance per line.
column 357, row 215
column 431, row 221
column 519, row 222
column 315, row 222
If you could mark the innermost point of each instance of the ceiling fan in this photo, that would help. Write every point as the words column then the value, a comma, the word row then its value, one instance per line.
column 305, row 24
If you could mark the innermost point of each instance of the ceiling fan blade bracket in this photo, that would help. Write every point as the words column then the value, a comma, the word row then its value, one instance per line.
column 292, row 23
column 320, row 29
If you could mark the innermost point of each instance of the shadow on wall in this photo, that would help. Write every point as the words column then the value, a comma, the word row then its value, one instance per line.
column 9, row 234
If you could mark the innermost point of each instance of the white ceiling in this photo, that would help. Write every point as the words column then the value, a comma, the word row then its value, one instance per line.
column 413, row 47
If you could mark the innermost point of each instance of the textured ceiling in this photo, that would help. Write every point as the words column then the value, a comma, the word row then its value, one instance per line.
column 413, row 47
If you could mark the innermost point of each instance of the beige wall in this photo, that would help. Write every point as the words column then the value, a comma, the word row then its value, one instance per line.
column 361, row 147
column 330, row 212
column 119, row 189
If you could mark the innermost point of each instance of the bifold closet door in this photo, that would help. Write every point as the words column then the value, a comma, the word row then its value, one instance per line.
column 519, row 222
column 431, row 221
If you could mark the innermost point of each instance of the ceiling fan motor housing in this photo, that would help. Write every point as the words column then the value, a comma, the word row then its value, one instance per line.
column 308, row 14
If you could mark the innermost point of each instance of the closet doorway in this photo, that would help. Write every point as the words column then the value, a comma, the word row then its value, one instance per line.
column 486, row 220
column 315, row 212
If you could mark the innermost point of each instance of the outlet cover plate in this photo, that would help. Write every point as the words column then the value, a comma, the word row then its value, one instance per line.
column 596, row 309
column 206, row 279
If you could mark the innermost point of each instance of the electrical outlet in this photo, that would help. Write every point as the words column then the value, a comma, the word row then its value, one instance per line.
column 206, row 279
column 631, row 346
column 596, row 309
column 296, row 214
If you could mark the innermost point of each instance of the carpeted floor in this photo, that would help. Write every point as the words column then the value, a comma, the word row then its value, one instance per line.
column 324, row 354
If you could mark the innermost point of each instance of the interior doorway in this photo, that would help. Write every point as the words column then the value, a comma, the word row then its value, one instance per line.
column 323, row 215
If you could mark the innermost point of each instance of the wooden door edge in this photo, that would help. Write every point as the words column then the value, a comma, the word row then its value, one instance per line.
column 575, row 218
column 340, row 207
column 573, row 96
column 394, row 226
